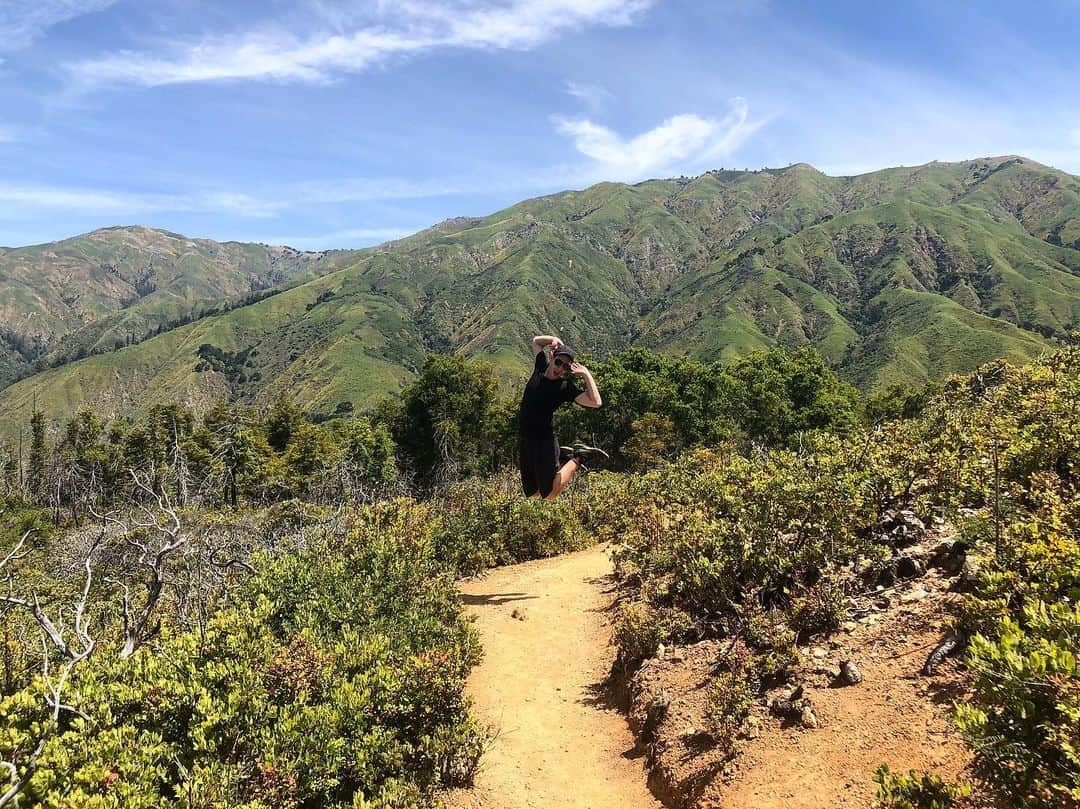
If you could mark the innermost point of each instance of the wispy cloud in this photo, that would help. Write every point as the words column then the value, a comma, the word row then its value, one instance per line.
column 23, row 21
column 351, row 237
column 684, row 142
column 593, row 96
column 393, row 30
column 116, row 203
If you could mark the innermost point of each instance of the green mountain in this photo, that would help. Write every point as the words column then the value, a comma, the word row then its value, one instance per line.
column 91, row 293
column 901, row 275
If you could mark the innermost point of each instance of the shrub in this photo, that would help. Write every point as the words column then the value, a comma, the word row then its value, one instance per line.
column 640, row 628
column 334, row 679
column 731, row 693
column 1025, row 719
column 915, row 791
column 485, row 522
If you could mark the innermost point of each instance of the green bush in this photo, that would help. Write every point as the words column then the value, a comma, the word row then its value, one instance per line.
column 483, row 523
column 1025, row 721
column 731, row 693
column 915, row 791
column 334, row 679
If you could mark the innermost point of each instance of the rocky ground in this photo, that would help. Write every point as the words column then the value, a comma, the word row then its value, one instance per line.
column 816, row 740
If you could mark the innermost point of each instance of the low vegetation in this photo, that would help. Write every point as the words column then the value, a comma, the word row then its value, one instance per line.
column 763, row 547
column 257, row 608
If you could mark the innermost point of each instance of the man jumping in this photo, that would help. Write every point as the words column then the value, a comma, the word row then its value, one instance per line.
column 550, row 387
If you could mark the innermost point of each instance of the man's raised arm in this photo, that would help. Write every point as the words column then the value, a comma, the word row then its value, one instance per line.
column 591, row 396
column 542, row 341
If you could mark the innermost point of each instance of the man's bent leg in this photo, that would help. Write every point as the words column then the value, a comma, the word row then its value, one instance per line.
column 563, row 477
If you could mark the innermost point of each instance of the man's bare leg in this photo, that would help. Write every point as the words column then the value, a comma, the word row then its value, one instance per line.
column 563, row 477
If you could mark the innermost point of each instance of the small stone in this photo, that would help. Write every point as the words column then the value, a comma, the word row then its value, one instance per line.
column 518, row 614
column 849, row 673
column 751, row 727
column 660, row 650
column 820, row 651
column 849, row 626
column 808, row 718
column 913, row 595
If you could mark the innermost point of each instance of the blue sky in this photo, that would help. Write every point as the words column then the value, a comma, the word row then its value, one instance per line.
column 323, row 124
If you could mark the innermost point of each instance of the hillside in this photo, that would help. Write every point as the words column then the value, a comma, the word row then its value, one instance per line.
column 88, row 294
column 901, row 275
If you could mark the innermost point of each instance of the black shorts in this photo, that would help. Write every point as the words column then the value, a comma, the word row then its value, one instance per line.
column 539, row 460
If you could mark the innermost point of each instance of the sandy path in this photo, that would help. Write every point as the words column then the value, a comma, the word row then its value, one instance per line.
column 557, row 744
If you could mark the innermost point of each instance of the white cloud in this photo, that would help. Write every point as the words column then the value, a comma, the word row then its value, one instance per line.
column 23, row 21
column 352, row 237
column 684, row 142
column 368, row 189
column 594, row 96
column 391, row 30
column 8, row 133
column 101, row 201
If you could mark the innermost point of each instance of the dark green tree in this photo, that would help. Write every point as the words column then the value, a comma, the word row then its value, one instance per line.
column 283, row 418
column 446, row 420
column 36, row 470
column 780, row 394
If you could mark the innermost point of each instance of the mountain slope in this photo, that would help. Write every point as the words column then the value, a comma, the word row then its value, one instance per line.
column 901, row 275
column 64, row 300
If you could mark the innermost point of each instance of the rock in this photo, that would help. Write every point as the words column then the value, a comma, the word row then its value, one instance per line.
column 660, row 650
column 849, row 626
column 820, row 652
column 910, row 521
column 949, row 556
column 942, row 549
column 808, row 718
column 908, row 567
column 751, row 728
column 947, row 647
column 849, row 673
column 655, row 712
column 913, row 595
column 518, row 614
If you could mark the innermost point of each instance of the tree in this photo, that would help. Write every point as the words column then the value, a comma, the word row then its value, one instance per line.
column 281, row 421
column 36, row 468
column 780, row 394
column 445, row 422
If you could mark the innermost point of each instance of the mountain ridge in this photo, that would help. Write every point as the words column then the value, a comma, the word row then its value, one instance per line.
column 901, row 275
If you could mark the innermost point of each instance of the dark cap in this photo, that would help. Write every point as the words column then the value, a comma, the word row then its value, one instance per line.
column 564, row 351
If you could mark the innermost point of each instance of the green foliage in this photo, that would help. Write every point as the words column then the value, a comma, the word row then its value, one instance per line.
column 449, row 423
column 336, row 675
column 678, row 402
column 731, row 693
column 1025, row 723
column 640, row 628
column 927, row 271
column 761, row 548
column 35, row 472
column 780, row 395
column 484, row 523
column 915, row 791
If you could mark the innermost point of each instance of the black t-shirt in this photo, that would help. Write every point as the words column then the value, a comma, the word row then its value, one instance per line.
column 542, row 398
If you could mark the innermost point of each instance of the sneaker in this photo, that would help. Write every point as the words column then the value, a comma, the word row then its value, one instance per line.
column 586, row 455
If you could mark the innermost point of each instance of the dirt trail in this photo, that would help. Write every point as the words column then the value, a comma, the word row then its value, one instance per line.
column 546, row 636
